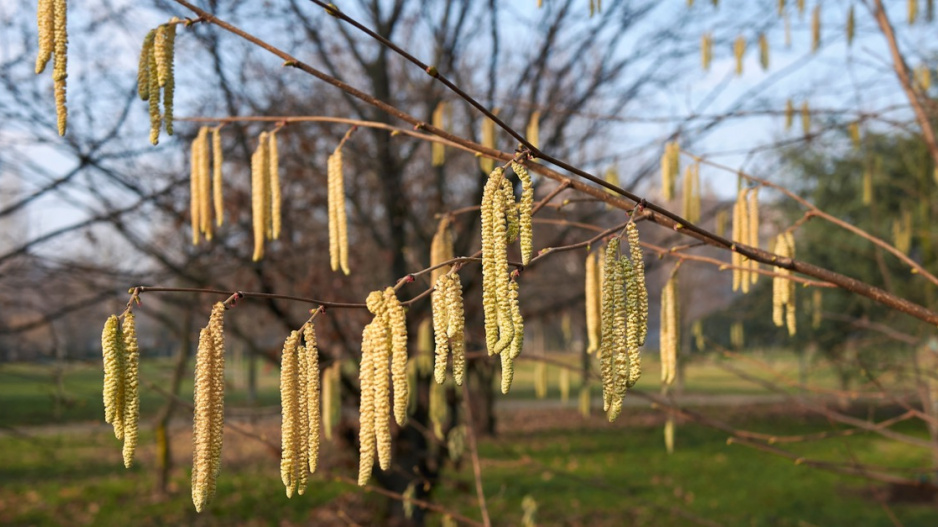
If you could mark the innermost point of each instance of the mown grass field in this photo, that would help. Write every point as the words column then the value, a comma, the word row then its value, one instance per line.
column 579, row 471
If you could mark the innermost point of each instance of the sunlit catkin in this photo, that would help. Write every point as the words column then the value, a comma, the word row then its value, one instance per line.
column 260, row 195
column 441, row 249
column 691, row 193
column 273, row 172
column 593, row 302
column 438, row 151
column 217, row 160
column 397, row 325
column 851, row 26
column 194, row 189
column 456, row 327
column 338, row 227
column 498, row 325
column 534, row 129
column 669, row 435
column 913, row 11
column 209, row 408
column 607, row 342
column 131, row 353
column 153, row 98
column 382, row 344
column 670, row 168
column 741, row 234
column 112, row 344
column 816, row 28
column 439, row 411
column 60, row 63
column 143, row 68
column 45, row 20
column 488, row 141
column 205, row 183
column 540, row 380
column 440, row 310
column 313, row 402
column 291, row 433
column 789, row 114
column 753, row 228
column 169, row 82
column 508, row 357
column 638, row 280
column 669, row 332
column 806, row 118
column 331, row 398
column 525, row 209
column 739, row 52
column 366, row 411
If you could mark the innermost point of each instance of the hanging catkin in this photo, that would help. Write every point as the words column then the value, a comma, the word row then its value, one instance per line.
column 534, row 129
column 194, row 189
column 691, row 193
column 45, row 20
column 670, row 168
column 913, row 11
column 166, row 75
column 60, row 64
column 366, row 411
column 783, row 289
column 312, row 387
column 593, row 302
column 439, row 411
column 209, row 408
column 438, row 151
column 216, row 177
column 763, row 51
column 153, row 98
column 381, row 347
column 607, row 343
column 739, row 52
column 112, row 344
column 638, row 279
column 331, row 398
column 260, row 194
column 851, row 26
column 669, row 331
column 143, row 67
column 741, row 234
column 205, row 184
column 441, row 249
column 273, row 171
column 540, row 380
column 292, row 462
column 525, row 210
column 499, row 329
column 397, row 327
column 440, row 313
column 789, row 114
column 338, row 223
column 753, row 227
column 816, row 28
column 456, row 327
column 706, row 51
column 488, row 141
column 131, row 361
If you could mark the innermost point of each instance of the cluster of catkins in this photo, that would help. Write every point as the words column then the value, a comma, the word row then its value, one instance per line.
column 209, row 408
column 783, row 289
column 155, row 72
column 205, row 190
column 504, row 220
column 51, row 19
column 449, row 324
column 265, row 192
column 624, row 321
column 121, row 373
column 338, row 224
column 384, row 359
column 746, row 231
column 299, row 398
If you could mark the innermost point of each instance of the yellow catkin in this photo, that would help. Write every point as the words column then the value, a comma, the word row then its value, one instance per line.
column 499, row 330
column 781, row 7
column 208, row 413
column 739, row 52
column 851, row 26
column 670, row 168
column 510, row 208
column 534, row 129
column 143, row 68
column 706, row 51
column 217, row 160
column 691, row 193
column 801, row 7
column 159, row 54
column 623, row 345
column 564, row 384
column 423, row 362
column 438, row 151
column 331, row 400
column 816, row 28
column 540, row 380
column 697, row 331
column 131, row 387
column 156, row 120
column 456, row 327
column 381, row 386
column 741, row 234
column 508, row 357
column 169, row 84
column 913, row 11
column 720, row 222
column 816, row 309
column 853, row 129
column 273, row 171
column 806, row 118
column 525, row 209
column 441, row 249
column 634, row 323
column 584, row 403
column 923, row 77
column 397, row 324
column 488, row 141
column 194, row 189
column 439, row 411
column 763, row 51
column 669, row 332
column 338, row 243
column 366, row 434
column 607, row 342
column 313, row 402
column 112, row 343
column 205, row 184
column 780, row 284
column 302, row 422
column 60, row 64
column 593, row 302
column 45, row 21
column 440, row 311
column 258, row 183
column 638, row 278
column 753, row 228
column 290, row 430
column 669, row 435
column 789, row 114
column 790, row 319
